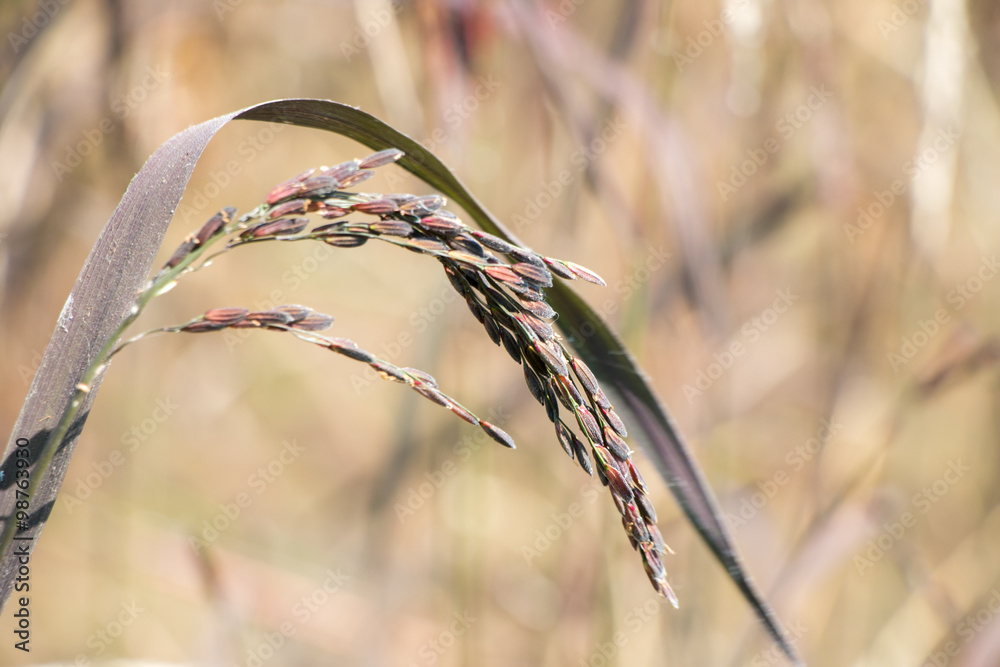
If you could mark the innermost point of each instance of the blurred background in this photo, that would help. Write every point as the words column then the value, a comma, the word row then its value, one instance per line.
column 794, row 205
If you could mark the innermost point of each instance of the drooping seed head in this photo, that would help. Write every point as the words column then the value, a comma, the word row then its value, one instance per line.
column 279, row 227
column 430, row 246
column 342, row 171
column 313, row 322
column 375, row 207
column 585, row 376
column 226, row 316
column 541, row 329
column 617, row 446
column 470, row 245
column 183, row 250
column 534, row 384
column 441, row 225
column 431, row 393
column 355, row 178
column 602, row 401
column 510, row 344
column 538, row 308
column 350, row 349
column 565, row 437
column 463, row 413
column 497, row 434
column 270, row 317
column 400, row 197
column 331, row 209
column 551, row 403
column 558, row 267
column 388, row 371
column 492, row 329
column 422, row 206
column 294, row 310
column 318, row 186
column 463, row 257
column 528, row 256
column 566, row 385
column 552, row 356
column 425, row 378
column 288, row 189
column 586, row 274
column 526, row 290
column 392, row 228
column 610, row 415
column 537, row 275
column 492, row 242
column 634, row 523
column 202, row 326
column 582, row 455
column 388, row 156
column 215, row 225
column 588, row 423
column 656, row 538
column 288, row 208
column 344, row 240
column 646, row 507
column 637, row 479
column 618, row 484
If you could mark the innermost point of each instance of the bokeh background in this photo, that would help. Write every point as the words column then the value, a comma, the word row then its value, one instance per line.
column 794, row 205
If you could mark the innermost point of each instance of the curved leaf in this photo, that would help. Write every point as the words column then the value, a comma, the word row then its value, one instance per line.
column 120, row 262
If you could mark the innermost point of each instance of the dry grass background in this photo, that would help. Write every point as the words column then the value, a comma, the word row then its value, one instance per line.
column 878, row 545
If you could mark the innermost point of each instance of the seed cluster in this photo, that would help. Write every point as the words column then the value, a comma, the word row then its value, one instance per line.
column 304, row 323
column 501, row 283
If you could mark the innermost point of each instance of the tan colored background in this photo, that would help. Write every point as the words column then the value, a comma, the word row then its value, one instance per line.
column 876, row 541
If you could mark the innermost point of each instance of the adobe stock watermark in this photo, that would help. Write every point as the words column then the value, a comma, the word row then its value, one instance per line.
column 751, row 332
column 121, row 107
column 696, row 45
column 423, row 317
column 220, row 179
column 912, row 344
column 293, row 279
column 36, row 22
column 912, row 169
column 101, row 640
column 131, row 441
column 967, row 629
column 967, row 290
column 562, row 12
column 418, row 495
column 301, row 612
column 433, row 649
column 958, row 297
column 634, row 621
column 364, row 33
column 420, row 319
column 899, row 15
column 626, row 287
column 774, row 654
column 561, row 522
column 767, row 489
column 784, row 129
column 27, row 371
column 258, row 482
column 922, row 502
column 581, row 157
column 454, row 116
